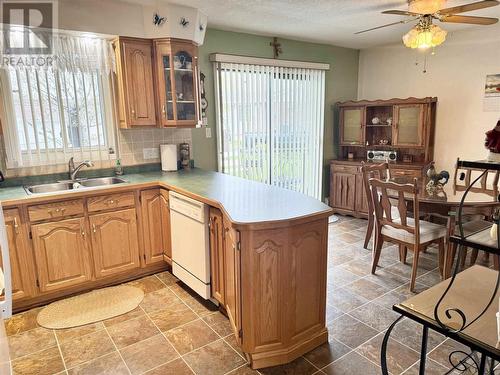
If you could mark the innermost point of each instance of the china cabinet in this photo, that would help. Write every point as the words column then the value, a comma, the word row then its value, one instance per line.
column 177, row 83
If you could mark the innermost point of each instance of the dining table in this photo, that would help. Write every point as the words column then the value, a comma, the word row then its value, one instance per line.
column 444, row 203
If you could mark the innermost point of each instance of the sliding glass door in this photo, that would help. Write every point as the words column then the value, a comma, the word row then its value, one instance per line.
column 270, row 124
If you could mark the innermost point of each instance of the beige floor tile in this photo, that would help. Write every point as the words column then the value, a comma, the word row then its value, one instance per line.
column 31, row 341
column 191, row 336
column 219, row 323
column 298, row 367
column 216, row 358
column 367, row 289
column 110, row 364
column 350, row 332
column 375, row 316
column 71, row 333
column 158, row 300
column 167, row 278
column 136, row 313
column 327, row 353
column 148, row 354
column 147, row 284
column 352, row 363
column 173, row 316
column 86, row 348
column 132, row 331
column 22, row 322
column 175, row 367
column 345, row 300
column 45, row 362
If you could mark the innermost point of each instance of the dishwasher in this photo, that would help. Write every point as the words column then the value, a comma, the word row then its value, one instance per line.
column 190, row 242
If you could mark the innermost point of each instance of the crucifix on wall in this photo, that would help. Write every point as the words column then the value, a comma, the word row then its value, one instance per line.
column 277, row 50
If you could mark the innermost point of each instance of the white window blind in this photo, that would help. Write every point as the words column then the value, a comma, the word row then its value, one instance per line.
column 52, row 113
column 271, row 123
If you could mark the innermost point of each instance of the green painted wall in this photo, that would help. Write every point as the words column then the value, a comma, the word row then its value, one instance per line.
column 341, row 83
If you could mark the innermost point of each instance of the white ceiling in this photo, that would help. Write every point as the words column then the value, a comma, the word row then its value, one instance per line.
column 324, row 21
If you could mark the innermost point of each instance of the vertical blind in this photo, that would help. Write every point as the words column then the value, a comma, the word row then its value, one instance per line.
column 270, row 123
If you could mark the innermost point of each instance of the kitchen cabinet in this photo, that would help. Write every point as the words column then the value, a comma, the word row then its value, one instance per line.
column 62, row 254
column 21, row 261
column 352, row 126
column 217, row 255
column 134, row 60
column 177, row 90
column 232, row 278
column 115, row 246
column 361, row 201
column 156, row 226
column 408, row 129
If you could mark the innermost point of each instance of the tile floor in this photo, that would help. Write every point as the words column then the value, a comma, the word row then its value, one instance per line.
column 173, row 332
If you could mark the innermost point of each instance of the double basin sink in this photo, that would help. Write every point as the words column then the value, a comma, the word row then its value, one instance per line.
column 73, row 185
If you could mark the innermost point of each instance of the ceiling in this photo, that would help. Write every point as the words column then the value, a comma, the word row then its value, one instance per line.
column 323, row 21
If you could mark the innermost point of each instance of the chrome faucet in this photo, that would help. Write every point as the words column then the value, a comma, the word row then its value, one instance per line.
column 74, row 170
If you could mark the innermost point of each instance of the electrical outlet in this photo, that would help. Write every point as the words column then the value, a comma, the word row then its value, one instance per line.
column 151, row 153
column 208, row 132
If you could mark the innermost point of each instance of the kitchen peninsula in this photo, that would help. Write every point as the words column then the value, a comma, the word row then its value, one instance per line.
column 268, row 250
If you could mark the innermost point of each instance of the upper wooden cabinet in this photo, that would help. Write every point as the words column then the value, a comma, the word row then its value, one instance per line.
column 156, row 226
column 352, row 129
column 408, row 125
column 21, row 261
column 115, row 245
column 135, row 82
column 177, row 83
column 61, row 253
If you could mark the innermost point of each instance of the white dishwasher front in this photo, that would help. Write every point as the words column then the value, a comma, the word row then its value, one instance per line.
column 190, row 242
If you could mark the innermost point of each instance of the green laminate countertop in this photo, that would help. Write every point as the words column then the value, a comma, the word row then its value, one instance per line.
column 246, row 202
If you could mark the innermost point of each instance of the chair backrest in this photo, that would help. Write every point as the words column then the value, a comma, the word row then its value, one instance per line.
column 378, row 171
column 463, row 177
column 386, row 195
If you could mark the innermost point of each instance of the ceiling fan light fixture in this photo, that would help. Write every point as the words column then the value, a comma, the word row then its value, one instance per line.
column 425, row 6
column 424, row 37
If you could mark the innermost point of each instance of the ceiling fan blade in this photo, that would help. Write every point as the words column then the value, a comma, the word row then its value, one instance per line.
column 389, row 24
column 401, row 13
column 469, row 7
column 469, row 19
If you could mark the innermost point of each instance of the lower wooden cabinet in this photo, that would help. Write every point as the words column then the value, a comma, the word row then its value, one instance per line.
column 21, row 261
column 232, row 278
column 217, row 255
column 156, row 226
column 115, row 246
column 344, row 194
column 61, row 253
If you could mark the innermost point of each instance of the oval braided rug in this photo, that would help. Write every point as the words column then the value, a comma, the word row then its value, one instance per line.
column 97, row 305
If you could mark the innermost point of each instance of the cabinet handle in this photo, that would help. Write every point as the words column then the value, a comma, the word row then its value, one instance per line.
column 16, row 225
column 94, row 229
column 163, row 111
column 82, row 232
column 133, row 113
column 112, row 201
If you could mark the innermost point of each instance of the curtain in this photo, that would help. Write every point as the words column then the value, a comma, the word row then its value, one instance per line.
column 271, row 124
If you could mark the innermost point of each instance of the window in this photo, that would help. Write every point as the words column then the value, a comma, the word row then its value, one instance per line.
column 58, row 112
column 271, row 123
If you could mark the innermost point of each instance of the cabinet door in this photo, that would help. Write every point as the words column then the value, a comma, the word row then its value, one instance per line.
column 114, row 242
column 61, row 254
column 137, row 87
column 409, row 125
column 21, row 261
column 232, row 278
column 217, row 255
column 352, row 126
column 178, row 83
column 343, row 191
column 156, row 225
column 361, row 203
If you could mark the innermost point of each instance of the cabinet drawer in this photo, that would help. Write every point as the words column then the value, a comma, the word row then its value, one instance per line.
column 112, row 201
column 345, row 168
column 55, row 210
column 406, row 173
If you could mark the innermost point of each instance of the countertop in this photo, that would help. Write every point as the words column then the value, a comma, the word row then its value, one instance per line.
column 244, row 201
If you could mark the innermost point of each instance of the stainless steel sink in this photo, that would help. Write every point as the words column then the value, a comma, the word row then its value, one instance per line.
column 102, row 181
column 50, row 188
column 70, row 185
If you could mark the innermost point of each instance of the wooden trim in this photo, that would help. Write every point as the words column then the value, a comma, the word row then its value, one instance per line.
column 238, row 59
column 387, row 102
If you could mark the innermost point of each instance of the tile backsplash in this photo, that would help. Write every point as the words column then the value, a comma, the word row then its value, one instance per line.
column 130, row 150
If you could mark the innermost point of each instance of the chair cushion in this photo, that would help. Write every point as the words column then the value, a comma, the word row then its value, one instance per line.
column 428, row 231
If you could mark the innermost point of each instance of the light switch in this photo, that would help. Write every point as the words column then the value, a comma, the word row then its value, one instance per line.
column 208, row 132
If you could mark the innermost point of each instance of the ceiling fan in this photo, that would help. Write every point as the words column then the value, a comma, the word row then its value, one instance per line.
column 425, row 34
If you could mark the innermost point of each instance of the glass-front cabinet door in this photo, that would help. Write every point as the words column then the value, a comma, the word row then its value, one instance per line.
column 408, row 125
column 177, row 66
column 352, row 126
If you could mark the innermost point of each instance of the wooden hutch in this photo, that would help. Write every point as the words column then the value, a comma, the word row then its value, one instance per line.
column 405, row 126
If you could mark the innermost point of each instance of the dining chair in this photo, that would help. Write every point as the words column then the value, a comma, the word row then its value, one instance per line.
column 381, row 172
column 405, row 231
